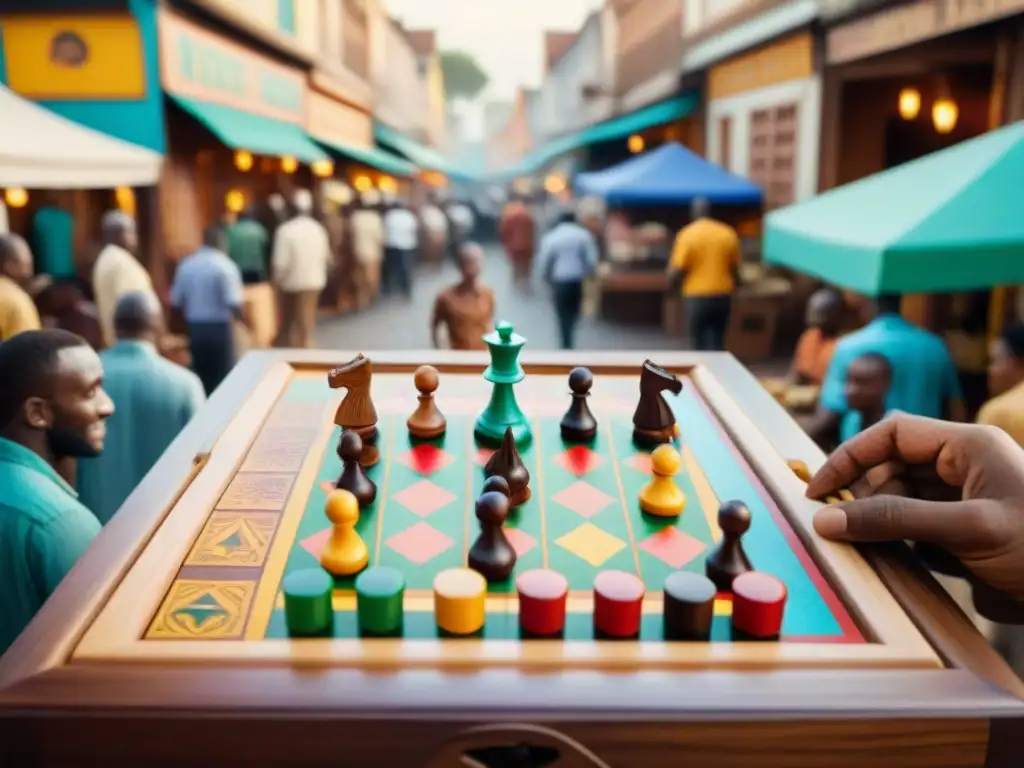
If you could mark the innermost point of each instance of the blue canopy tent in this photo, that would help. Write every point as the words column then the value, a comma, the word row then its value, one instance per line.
column 670, row 174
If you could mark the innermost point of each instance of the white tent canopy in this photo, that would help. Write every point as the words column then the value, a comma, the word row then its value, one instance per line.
column 42, row 150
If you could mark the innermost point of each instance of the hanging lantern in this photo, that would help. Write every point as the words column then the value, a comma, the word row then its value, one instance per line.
column 910, row 103
column 363, row 183
column 387, row 184
column 289, row 164
column 636, row 143
column 16, row 197
column 243, row 160
column 945, row 114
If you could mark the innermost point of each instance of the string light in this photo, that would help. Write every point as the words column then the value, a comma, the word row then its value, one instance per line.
column 243, row 160
column 945, row 114
column 636, row 143
column 289, row 164
column 16, row 197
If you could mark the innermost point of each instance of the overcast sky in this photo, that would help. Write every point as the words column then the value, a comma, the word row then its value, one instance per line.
column 505, row 36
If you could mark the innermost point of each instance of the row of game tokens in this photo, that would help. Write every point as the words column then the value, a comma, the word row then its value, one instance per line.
column 758, row 603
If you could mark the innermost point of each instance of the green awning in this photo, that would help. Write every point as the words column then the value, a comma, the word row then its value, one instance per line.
column 948, row 222
column 619, row 127
column 426, row 158
column 373, row 157
column 253, row 133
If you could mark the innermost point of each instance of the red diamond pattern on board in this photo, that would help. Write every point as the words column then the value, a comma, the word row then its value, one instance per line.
column 641, row 462
column 315, row 544
column 420, row 543
column 583, row 499
column 423, row 498
column 483, row 455
column 672, row 546
column 521, row 541
column 579, row 460
column 426, row 458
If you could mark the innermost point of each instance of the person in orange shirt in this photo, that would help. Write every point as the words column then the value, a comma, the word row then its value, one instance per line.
column 1006, row 384
column 825, row 315
column 705, row 266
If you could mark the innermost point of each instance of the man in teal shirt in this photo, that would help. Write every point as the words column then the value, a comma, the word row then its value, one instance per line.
column 52, row 407
column 924, row 376
column 154, row 397
column 53, row 240
column 247, row 244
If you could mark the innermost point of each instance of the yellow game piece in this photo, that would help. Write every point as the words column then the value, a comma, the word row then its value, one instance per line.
column 800, row 469
column 345, row 552
column 845, row 494
column 661, row 496
column 460, row 598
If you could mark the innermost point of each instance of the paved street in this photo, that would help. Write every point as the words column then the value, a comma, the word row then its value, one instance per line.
column 394, row 324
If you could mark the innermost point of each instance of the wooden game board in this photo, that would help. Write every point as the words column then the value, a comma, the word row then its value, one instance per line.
column 178, row 606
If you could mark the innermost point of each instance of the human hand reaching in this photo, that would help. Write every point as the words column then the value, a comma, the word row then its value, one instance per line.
column 956, row 486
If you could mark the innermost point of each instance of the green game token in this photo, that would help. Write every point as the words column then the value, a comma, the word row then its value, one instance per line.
column 379, row 595
column 307, row 602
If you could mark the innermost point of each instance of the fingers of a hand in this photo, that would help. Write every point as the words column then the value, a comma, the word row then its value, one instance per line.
column 900, row 437
column 953, row 525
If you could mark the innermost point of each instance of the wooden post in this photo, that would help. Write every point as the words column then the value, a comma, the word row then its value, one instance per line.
column 1007, row 50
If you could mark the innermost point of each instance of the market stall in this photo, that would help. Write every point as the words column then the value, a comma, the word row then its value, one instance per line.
column 648, row 199
column 945, row 231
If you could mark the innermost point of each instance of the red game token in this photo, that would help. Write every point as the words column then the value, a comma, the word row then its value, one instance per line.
column 618, row 603
column 758, row 603
column 542, row 597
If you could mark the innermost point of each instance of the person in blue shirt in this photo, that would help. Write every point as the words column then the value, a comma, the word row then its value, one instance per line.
column 568, row 256
column 924, row 376
column 207, row 291
column 154, row 397
column 52, row 408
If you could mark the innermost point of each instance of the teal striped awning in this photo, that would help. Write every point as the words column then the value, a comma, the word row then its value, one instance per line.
column 426, row 158
column 253, row 133
column 612, row 129
column 373, row 157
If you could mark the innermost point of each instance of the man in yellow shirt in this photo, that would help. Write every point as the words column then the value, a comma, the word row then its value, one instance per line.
column 1006, row 384
column 705, row 265
column 17, row 309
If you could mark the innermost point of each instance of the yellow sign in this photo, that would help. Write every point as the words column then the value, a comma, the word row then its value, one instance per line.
column 789, row 59
column 914, row 23
column 98, row 56
column 338, row 123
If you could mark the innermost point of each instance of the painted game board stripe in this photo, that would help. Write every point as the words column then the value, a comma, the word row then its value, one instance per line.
column 541, row 495
column 623, row 501
column 280, row 548
column 383, row 493
column 706, row 495
column 828, row 596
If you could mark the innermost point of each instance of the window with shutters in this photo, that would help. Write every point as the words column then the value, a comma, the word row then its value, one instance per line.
column 356, row 32
column 773, row 147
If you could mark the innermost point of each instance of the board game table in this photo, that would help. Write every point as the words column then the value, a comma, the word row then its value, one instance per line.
column 168, row 645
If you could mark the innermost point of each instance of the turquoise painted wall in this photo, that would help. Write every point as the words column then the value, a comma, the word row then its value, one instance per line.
column 140, row 121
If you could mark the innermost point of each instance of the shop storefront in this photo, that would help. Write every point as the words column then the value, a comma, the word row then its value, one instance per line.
column 763, row 118
column 347, row 133
column 252, row 142
column 98, row 70
column 910, row 80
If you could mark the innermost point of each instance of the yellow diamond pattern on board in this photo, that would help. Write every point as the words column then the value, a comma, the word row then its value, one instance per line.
column 591, row 544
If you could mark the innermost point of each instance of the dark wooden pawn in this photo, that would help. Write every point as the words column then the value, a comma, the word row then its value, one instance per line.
column 728, row 560
column 492, row 556
column 496, row 484
column 579, row 425
column 353, row 476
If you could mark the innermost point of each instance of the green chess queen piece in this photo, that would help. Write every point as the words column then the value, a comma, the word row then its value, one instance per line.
column 504, row 372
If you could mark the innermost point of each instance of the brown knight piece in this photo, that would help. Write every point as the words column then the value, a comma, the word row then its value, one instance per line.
column 356, row 411
column 654, row 422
